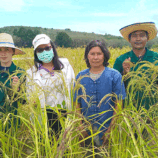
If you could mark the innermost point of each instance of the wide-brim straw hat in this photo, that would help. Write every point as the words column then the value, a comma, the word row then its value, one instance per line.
column 6, row 40
column 144, row 26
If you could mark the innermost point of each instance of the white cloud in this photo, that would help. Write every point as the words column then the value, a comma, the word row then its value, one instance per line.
column 155, row 17
column 143, row 11
column 61, row 3
column 96, row 27
column 108, row 14
column 11, row 5
column 65, row 4
column 54, row 4
column 141, row 5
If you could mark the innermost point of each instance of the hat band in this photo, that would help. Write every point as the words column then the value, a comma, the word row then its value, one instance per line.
column 6, row 43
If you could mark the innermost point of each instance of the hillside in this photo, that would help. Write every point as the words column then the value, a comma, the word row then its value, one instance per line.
column 23, row 36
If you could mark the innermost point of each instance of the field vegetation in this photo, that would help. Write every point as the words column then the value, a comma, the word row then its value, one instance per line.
column 134, row 135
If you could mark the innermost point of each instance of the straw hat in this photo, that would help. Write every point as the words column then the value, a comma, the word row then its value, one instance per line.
column 145, row 26
column 6, row 40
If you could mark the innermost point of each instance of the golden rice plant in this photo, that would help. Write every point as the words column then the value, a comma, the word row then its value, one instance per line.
column 32, row 139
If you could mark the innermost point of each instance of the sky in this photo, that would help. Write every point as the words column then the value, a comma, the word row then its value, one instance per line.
column 98, row 16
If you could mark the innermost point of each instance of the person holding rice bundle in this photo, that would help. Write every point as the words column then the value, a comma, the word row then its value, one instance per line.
column 103, row 90
column 130, row 64
column 53, row 75
column 11, row 76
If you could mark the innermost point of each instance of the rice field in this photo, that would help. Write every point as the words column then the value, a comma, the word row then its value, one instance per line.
column 75, row 57
column 135, row 134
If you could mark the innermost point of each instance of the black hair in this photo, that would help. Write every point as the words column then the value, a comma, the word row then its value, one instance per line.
column 101, row 44
column 58, row 65
column 129, row 36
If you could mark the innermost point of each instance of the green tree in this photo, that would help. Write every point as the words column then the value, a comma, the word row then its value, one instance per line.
column 15, row 31
column 150, row 44
column 67, row 29
column 26, row 35
column 63, row 39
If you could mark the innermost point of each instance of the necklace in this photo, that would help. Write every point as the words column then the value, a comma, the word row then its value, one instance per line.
column 51, row 73
column 140, row 55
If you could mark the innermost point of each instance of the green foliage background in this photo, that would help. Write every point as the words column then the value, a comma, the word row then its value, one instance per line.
column 63, row 40
column 23, row 36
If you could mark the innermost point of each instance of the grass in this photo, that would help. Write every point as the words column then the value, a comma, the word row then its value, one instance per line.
column 135, row 133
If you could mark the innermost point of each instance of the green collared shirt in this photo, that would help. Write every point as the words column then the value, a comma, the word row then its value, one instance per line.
column 5, row 87
column 149, row 56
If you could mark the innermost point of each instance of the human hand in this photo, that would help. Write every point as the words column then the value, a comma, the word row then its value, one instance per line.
column 106, row 136
column 15, row 82
column 126, row 65
column 83, row 135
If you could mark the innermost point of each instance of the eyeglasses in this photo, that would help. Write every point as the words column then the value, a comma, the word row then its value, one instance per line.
column 40, row 50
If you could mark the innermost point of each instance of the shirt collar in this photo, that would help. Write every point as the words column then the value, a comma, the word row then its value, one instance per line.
column 147, row 54
column 4, row 68
column 88, row 70
column 41, row 67
column 11, row 68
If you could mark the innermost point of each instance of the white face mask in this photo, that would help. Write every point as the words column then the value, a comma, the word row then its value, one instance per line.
column 46, row 56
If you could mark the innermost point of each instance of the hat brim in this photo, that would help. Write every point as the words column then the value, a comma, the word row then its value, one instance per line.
column 17, row 50
column 41, row 42
column 146, row 26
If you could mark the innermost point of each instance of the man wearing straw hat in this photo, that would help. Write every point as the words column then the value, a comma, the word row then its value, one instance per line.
column 9, row 74
column 138, row 34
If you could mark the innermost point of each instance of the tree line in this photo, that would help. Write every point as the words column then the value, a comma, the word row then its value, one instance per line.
column 23, row 37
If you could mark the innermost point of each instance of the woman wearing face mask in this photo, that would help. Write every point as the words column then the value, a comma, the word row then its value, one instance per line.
column 54, row 76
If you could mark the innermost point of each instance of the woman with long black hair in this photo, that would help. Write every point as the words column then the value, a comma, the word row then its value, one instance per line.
column 54, row 76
